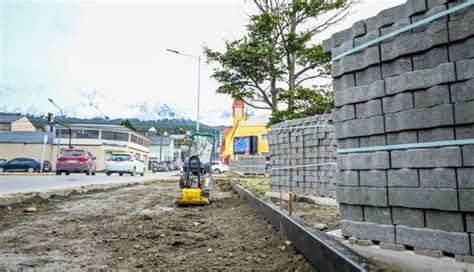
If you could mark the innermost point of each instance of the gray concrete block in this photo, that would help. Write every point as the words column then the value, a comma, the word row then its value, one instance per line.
column 373, row 178
column 360, row 127
column 404, row 137
column 434, row 3
column 328, row 44
column 364, row 161
column 351, row 212
column 413, row 43
column 343, row 82
column 365, row 242
column 465, row 177
column 438, row 178
column 378, row 215
column 343, row 47
column 453, row 242
column 394, row 247
column 369, row 109
column 430, row 58
column 428, row 13
column 360, row 94
column 447, row 221
column 402, row 178
column 436, row 134
column 371, row 231
column 399, row 102
column 348, row 143
column 344, row 113
column 464, row 112
column 395, row 26
column 427, row 158
column 408, row 217
column 470, row 222
column 376, row 140
column 347, row 178
column 468, row 155
column 462, row 14
column 433, row 96
column 461, row 29
column 368, row 75
column 461, row 50
column 423, row 198
column 391, row 15
column 396, row 67
column 464, row 132
column 422, row 79
column 464, row 69
column 428, row 252
column 367, row 37
column 357, row 61
column 437, row 116
column 466, row 201
column 356, row 30
column 362, row 196
column 462, row 91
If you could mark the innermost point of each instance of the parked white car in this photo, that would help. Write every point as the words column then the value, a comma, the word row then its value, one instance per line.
column 124, row 163
column 218, row 167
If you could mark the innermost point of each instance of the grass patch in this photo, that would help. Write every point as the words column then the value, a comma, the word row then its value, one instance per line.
column 389, row 266
column 260, row 185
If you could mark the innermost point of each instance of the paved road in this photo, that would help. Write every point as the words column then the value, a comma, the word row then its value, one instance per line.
column 22, row 184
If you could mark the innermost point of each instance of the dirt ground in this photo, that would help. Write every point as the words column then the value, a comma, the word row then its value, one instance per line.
column 322, row 217
column 140, row 227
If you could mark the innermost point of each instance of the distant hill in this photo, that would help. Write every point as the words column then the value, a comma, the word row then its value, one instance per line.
column 169, row 125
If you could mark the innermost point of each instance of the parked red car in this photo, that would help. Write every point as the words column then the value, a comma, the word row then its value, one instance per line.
column 76, row 161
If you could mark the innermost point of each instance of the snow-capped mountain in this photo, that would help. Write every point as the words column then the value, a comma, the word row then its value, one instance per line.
column 94, row 104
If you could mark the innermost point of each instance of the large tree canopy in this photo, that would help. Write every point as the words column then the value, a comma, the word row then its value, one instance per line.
column 276, row 65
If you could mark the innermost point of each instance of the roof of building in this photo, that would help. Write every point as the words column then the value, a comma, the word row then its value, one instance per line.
column 105, row 127
column 152, row 130
column 258, row 120
column 160, row 140
column 25, row 137
column 9, row 118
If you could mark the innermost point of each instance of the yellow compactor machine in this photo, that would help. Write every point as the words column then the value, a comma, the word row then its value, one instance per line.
column 196, row 180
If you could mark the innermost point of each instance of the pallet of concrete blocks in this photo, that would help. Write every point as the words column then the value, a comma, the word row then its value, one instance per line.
column 405, row 127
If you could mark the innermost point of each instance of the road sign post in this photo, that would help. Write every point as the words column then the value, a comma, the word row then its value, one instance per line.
column 45, row 140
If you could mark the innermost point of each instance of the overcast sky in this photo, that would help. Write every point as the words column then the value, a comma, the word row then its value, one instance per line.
column 59, row 49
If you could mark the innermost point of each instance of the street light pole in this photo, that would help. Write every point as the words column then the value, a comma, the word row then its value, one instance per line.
column 198, row 90
column 59, row 135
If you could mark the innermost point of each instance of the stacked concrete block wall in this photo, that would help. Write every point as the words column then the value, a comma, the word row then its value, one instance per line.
column 416, row 87
column 297, row 144
column 249, row 165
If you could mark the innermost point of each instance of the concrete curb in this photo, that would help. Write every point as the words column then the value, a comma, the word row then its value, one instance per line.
column 16, row 198
column 27, row 174
column 325, row 253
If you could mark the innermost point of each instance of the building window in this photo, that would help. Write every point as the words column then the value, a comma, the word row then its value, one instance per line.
column 238, row 112
column 264, row 137
column 116, row 136
column 79, row 134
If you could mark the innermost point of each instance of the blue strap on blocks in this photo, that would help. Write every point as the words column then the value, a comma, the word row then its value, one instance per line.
column 403, row 29
column 406, row 146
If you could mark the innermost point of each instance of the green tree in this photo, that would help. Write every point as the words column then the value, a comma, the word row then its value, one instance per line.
column 127, row 124
column 276, row 65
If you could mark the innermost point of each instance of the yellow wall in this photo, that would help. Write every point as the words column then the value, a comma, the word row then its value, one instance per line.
column 22, row 124
column 242, row 131
column 10, row 151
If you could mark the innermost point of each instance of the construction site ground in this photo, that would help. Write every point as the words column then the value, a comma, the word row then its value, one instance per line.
column 140, row 227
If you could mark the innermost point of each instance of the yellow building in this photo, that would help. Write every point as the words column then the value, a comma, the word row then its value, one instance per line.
column 246, row 136
column 15, row 122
